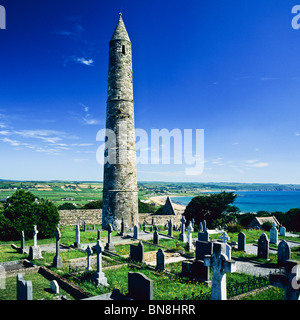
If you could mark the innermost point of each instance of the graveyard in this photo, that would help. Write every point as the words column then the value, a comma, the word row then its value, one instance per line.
column 183, row 262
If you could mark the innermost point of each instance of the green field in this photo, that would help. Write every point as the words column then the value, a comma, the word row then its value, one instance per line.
column 80, row 192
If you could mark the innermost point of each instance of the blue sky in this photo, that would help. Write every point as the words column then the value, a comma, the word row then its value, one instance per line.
column 229, row 67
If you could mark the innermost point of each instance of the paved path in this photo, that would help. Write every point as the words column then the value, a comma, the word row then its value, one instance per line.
column 253, row 268
column 241, row 266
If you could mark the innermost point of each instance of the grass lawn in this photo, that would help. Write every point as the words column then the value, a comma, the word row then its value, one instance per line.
column 164, row 287
column 40, row 288
column 269, row 294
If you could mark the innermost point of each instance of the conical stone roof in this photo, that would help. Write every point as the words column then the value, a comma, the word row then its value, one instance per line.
column 120, row 32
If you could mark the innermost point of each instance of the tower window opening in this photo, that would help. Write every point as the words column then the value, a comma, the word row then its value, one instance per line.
column 123, row 49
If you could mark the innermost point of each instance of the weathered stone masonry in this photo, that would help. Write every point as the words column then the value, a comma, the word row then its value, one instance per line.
column 120, row 195
column 94, row 216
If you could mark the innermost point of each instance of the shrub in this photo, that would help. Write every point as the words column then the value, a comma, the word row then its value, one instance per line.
column 146, row 207
column 22, row 212
column 234, row 228
column 267, row 226
column 97, row 204
column 67, row 206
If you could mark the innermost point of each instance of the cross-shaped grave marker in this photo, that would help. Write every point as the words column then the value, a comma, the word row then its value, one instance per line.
column 220, row 264
column 190, row 229
column 288, row 281
column 182, row 235
column 57, row 260
column 224, row 237
column 99, row 277
column 89, row 252
column 109, row 245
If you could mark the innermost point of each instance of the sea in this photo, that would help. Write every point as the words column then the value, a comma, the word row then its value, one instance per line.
column 254, row 201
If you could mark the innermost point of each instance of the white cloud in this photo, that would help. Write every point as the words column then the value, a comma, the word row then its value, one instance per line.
column 261, row 165
column 87, row 62
column 267, row 78
column 80, row 160
column 13, row 143
column 251, row 161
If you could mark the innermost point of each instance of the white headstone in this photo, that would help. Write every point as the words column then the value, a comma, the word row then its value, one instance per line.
column 220, row 264
column 54, row 286
column 274, row 234
column 190, row 229
column 282, row 231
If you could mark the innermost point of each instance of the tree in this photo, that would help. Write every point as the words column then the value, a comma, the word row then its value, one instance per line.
column 97, row 204
column 21, row 212
column 212, row 208
column 145, row 207
column 67, row 206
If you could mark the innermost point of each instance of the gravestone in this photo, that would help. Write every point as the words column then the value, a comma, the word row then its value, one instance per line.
column 122, row 228
column 140, row 287
column 109, row 245
column 284, row 252
column 190, row 247
column 160, row 260
column 198, row 269
column 99, row 276
column 22, row 248
column 2, row 277
column 77, row 236
column 203, row 248
column 263, row 247
column 136, row 232
column 242, row 241
column 57, row 260
column 220, row 265
column 274, row 234
column 137, row 252
column 203, row 236
column 155, row 237
column 24, row 288
column 204, row 225
column 170, row 228
column 224, row 237
column 228, row 251
column 289, row 281
column 200, row 228
column 89, row 252
column 54, row 286
column 282, row 231
column 182, row 235
column 35, row 250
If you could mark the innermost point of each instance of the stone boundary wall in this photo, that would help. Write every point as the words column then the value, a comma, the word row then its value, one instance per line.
column 70, row 217
column 159, row 220
column 71, row 288
column 94, row 216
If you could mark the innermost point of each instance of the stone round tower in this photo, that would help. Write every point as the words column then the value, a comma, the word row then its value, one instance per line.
column 120, row 196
